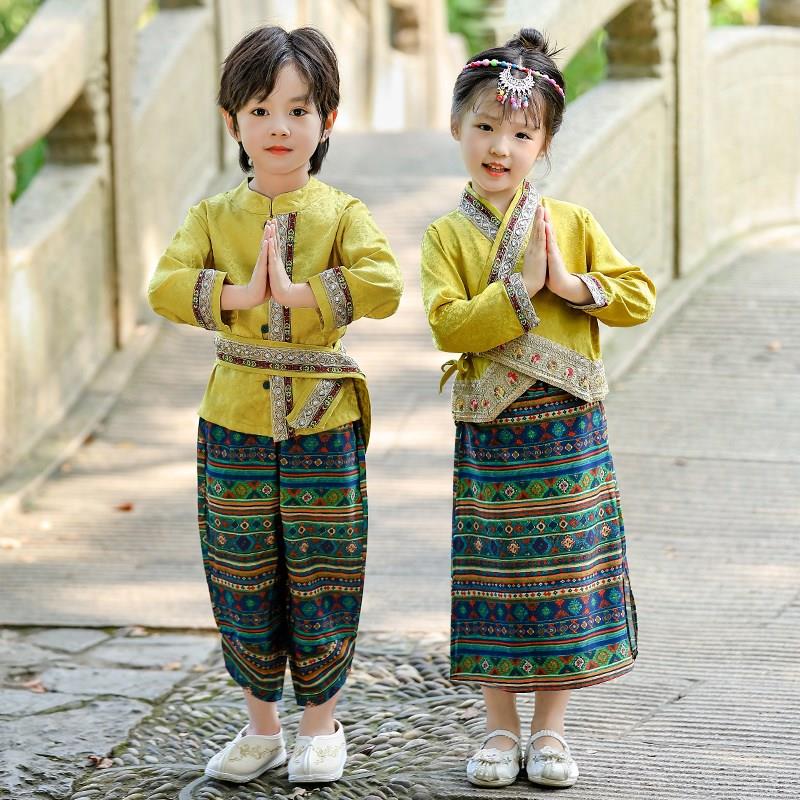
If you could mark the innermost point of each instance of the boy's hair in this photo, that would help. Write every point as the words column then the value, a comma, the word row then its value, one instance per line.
column 251, row 68
column 530, row 49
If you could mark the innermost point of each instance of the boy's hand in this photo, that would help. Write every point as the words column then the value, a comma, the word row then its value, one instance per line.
column 279, row 281
column 534, row 265
column 254, row 293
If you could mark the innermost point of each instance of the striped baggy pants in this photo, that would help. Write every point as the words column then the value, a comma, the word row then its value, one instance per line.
column 283, row 531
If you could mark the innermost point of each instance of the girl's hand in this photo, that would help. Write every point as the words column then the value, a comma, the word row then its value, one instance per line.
column 560, row 281
column 534, row 265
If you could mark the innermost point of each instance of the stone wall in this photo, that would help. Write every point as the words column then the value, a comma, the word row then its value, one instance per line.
column 124, row 93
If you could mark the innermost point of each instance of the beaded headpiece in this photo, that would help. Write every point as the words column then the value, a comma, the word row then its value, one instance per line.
column 510, row 88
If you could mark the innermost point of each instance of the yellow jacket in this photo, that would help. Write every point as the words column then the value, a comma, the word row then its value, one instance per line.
column 477, row 304
column 280, row 370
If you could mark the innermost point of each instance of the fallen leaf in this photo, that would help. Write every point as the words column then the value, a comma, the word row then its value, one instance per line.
column 6, row 543
column 136, row 630
column 124, row 507
column 198, row 668
column 100, row 762
column 298, row 792
column 171, row 666
column 775, row 345
column 89, row 438
column 34, row 685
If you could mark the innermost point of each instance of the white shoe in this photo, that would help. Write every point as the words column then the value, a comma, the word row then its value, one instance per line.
column 247, row 756
column 494, row 767
column 548, row 766
column 319, row 759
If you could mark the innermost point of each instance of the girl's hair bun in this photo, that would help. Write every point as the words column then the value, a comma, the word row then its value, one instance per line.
column 532, row 40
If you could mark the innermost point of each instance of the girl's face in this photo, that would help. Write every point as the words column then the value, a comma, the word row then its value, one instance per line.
column 498, row 153
column 281, row 132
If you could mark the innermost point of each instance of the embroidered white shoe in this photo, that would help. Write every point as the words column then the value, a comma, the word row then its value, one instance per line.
column 319, row 759
column 493, row 767
column 548, row 766
column 247, row 756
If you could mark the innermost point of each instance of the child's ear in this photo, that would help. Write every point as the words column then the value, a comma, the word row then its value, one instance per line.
column 455, row 128
column 230, row 123
column 327, row 126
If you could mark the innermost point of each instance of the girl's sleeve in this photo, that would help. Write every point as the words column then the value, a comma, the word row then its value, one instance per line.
column 183, row 288
column 368, row 283
column 460, row 324
column 622, row 295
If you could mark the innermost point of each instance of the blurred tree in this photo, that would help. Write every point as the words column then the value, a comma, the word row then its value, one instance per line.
column 588, row 67
column 734, row 12
column 14, row 16
column 469, row 18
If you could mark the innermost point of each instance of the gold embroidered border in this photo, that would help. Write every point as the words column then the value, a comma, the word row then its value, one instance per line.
column 202, row 297
column 519, row 363
column 599, row 297
column 520, row 300
column 338, row 294
column 319, row 401
column 477, row 213
column 287, row 359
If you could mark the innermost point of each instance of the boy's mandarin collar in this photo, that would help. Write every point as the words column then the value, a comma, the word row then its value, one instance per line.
column 257, row 203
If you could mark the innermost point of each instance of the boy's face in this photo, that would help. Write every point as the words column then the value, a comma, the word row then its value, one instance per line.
column 498, row 153
column 281, row 132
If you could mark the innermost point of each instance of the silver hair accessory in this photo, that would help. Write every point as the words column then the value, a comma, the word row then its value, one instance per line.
column 510, row 88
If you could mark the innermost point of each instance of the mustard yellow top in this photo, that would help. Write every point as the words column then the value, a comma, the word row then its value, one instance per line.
column 329, row 240
column 477, row 304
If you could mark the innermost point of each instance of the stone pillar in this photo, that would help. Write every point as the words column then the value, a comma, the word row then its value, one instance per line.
column 691, row 132
column 127, row 277
column 6, row 365
column 641, row 41
column 779, row 12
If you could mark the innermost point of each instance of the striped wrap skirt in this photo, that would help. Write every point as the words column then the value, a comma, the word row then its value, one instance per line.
column 541, row 597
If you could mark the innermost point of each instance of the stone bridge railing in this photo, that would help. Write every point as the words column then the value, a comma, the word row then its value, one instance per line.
column 123, row 93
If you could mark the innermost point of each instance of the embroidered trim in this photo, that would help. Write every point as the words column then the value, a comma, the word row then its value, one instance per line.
column 515, row 366
column 318, row 403
column 287, row 359
column 516, row 234
column 280, row 330
column 521, row 301
column 202, row 297
column 338, row 293
column 477, row 213
column 599, row 296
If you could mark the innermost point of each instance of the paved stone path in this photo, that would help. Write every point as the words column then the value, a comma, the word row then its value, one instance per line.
column 708, row 468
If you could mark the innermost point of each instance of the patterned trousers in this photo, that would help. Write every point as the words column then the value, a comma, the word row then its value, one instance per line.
column 283, row 531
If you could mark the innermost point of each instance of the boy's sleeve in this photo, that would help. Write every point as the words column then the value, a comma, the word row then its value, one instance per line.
column 622, row 295
column 501, row 312
column 183, row 288
column 368, row 283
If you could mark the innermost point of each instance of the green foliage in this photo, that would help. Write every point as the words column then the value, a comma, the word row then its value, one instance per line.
column 734, row 12
column 468, row 17
column 14, row 16
column 587, row 67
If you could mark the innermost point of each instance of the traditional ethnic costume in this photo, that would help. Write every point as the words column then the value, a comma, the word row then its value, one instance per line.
column 541, row 597
column 283, row 429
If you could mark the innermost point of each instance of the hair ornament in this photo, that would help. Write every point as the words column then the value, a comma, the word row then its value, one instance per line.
column 513, row 89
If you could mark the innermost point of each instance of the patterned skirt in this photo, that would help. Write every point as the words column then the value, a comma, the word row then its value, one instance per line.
column 541, row 597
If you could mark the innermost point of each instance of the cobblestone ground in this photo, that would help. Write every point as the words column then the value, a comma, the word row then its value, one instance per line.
column 708, row 463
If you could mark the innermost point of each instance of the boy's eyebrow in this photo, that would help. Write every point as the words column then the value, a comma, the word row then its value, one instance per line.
column 300, row 99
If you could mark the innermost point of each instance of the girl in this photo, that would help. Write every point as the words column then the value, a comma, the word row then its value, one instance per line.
column 278, row 267
column 541, row 600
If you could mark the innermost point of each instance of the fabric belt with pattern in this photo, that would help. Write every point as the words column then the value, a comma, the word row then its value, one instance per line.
column 283, row 361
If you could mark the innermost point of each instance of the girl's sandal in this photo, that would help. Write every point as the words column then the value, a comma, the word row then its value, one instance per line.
column 548, row 766
column 493, row 767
